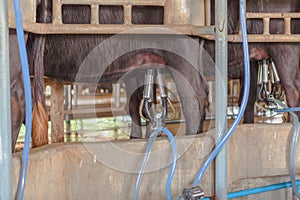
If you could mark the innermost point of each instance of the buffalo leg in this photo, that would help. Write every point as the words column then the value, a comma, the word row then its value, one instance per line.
column 193, row 91
column 249, row 111
column 16, row 89
column 286, row 58
column 134, row 95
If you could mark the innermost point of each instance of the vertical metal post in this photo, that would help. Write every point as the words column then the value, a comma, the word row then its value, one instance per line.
column 68, row 102
column 117, row 94
column 221, row 96
column 5, row 121
column 75, row 95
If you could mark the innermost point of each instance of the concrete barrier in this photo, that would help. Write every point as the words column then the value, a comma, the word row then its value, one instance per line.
column 257, row 156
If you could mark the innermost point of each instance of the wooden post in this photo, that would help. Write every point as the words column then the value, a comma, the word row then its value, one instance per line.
column 57, row 112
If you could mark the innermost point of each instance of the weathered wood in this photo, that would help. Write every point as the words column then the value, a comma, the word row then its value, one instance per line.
column 57, row 112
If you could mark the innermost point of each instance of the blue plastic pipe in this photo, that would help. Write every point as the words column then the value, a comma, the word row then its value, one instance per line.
column 224, row 140
column 5, row 122
column 293, row 146
column 27, row 88
column 146, row 158
column 173, row 165
column 139, row 179
column 258, row 190
column 295, row 109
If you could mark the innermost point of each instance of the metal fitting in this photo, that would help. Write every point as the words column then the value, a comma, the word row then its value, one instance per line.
column 148, row 89
column 259, row 75
column 194, row 193
column 155, row 117
column 265, row 70
column 161, row 83
column 274, row 71
column 271, row 103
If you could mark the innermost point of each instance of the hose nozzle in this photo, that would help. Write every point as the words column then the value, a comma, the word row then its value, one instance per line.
column 193, row 193
column 148, row 84
column 161, row 82
column 274, row 71
column 265, row 70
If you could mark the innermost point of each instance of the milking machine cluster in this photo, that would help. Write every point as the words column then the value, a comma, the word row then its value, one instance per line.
column 268, row 83
column 155, row 116
column 157, row 120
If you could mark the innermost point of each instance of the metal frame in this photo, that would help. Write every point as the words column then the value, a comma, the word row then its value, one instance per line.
column 221, row 94
column 5, row 122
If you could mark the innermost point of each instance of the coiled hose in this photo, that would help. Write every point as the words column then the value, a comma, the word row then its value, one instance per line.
column 27, row 88
column 225, row 138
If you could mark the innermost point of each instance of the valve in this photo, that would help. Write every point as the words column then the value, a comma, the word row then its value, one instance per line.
column 193, row 193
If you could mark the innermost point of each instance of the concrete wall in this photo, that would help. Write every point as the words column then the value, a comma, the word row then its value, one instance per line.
column 257, row 155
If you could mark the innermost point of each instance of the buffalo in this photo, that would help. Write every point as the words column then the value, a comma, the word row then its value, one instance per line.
column 68, row 58
column 285, row 55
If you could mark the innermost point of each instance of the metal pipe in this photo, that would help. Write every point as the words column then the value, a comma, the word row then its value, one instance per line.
column 273, row 67
column 68, row 102
column 221, row 94
column 75, row 95
column 161, row 83
column 265, row 70
column 259, row 74
column 117, row 94
column 5, row 122
column 149, row 76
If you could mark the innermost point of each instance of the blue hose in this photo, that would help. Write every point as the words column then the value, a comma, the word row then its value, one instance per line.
column 225, row 138
column 293, row 145
column 173, row 165
column 295, row 109
column 27, row 88
column 262, row 189
column 146, row 158
column 147, row 155
column 258, row 190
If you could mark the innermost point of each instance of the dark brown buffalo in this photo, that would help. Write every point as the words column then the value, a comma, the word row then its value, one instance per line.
column 61, row 56
column 16, row 87
column 285, row 55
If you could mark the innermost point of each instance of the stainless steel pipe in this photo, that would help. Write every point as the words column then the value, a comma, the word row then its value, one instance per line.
column 221, row 95
column 5, row 121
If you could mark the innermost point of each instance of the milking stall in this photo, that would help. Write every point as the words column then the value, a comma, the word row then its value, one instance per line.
column 150, row 99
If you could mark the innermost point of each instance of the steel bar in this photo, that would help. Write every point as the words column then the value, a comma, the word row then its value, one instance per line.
column 5, row 121
column 221, row 94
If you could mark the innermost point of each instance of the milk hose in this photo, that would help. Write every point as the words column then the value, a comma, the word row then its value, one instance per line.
column 225, row 138
column 27, row 88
